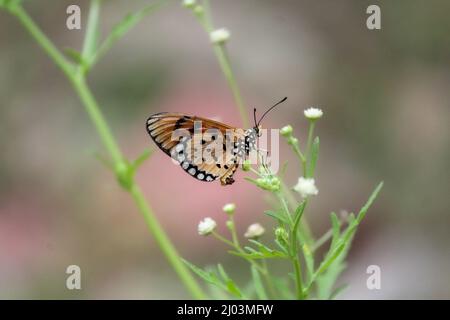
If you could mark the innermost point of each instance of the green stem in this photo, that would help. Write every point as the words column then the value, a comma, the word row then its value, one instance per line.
column 79, row 83
column 322, row 240
column 295, row 257
column 96, row 115
column 225, row 65
column 91, row 36
column 234, row 233
column 165, row 244
column 309, row 142
column 285, row 206
column 302, row 158
column 66, row 67
column 239, row 249
column 268, row 280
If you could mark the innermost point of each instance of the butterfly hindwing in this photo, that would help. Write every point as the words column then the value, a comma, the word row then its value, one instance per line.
column 183, row 149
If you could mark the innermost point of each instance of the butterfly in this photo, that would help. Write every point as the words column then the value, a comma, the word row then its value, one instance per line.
column 206, row 149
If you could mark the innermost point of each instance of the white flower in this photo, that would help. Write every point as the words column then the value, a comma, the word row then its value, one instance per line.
column 206, row 226
column 306, row 187
column 313, row 113
column 188, row 3
column 229, row 208
column 254, row 230
column 219, row 35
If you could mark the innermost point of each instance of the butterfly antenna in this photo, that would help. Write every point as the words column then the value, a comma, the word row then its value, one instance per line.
column 254, row 117
column 260, row 119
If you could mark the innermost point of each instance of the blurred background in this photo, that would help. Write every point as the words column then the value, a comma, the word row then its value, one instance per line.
column 385, row 96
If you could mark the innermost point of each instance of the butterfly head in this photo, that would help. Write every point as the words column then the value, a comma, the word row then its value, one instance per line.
column 257, row 128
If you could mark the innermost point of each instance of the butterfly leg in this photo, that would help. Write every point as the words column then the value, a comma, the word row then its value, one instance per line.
column 227, row 177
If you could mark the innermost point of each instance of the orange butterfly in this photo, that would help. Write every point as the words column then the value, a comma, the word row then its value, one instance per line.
column 206, row 149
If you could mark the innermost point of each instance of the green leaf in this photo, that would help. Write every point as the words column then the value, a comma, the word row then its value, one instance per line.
column 262, row 252
column 9, row 4
column 120, row 29
column 208, row 276
column 336, row 226
column 276, row 215
column 262, row 248
column 309, row 260
column 283, row 288
column 283, row 170
column 230, row 284
column 75, row 56
column 142, row 157
column 373, row 196
column 259, row 287
column 211, row 277
column 314, row 156
column 299, row 212
column 333, row 261
column 338, row 291
column 283, row 248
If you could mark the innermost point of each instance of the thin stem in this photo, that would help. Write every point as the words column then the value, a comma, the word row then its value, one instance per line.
column 295, row 257
column 79, row 83
column 268, row 279
column 225, row 240
column 302, row 158
column 239, row 249
column 165, row 244
column 96, row 115
column 233, row 232
column 322, row 240
column 42, row 40
column 90, row 39
column 225, row 66
column 310, row 139
column 298, row 278
column 285, row 206
column 91, row 36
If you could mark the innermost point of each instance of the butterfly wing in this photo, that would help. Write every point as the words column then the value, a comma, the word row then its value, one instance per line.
column 161, row 128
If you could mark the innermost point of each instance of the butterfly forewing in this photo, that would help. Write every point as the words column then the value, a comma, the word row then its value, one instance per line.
column 204, row 148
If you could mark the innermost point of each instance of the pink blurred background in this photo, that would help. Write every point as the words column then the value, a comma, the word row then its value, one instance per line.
column 385, row 95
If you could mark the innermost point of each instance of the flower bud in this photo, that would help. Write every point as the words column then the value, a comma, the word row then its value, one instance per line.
column 206, row 226
column 292, row 141
column 254, row 231
column 189, row 4
column 270, row 183
column 286, row 131
column 219, row 36
column 281, row 235
column 229, row 208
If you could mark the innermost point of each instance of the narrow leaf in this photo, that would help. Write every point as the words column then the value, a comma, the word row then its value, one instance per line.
column 120, row 29
column 75, row 56
column 369, row 202
column 336, row 225
column 230, row 284
column 276, row 215
column 259, row 287
column 338, row 291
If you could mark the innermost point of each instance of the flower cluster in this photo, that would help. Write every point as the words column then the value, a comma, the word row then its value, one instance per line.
column 306, row 187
